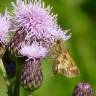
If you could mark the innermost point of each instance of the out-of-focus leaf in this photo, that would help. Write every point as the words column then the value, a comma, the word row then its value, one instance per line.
column 3, row 86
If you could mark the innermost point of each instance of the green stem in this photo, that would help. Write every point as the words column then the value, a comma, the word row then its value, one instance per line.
column 2, row 68
column 4, row 74
column 19, row 63
column 30, row 94
column 3, row 71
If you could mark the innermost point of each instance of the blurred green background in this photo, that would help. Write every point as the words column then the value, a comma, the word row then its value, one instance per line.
column 80, row 17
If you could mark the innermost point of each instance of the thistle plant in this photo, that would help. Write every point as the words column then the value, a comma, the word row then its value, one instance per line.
column 35, row 30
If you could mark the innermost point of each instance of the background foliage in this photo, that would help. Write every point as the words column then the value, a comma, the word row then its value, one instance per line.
column 80, row 17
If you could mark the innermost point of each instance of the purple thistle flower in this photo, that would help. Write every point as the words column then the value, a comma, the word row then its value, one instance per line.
column 35, row 29
column 4, row 27
column 34, row 22
column 83, row 89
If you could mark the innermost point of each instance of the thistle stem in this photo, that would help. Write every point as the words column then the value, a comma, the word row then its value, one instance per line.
column 2, row 69
column 4, row 74
column 19, row 63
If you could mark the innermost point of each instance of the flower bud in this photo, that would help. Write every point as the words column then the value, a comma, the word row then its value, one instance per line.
column 83, row 89
column 31, row 76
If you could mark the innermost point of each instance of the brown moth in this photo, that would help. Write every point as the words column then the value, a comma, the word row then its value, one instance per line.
column 63, row 62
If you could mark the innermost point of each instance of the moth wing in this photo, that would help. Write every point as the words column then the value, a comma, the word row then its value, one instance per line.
column 67, row 66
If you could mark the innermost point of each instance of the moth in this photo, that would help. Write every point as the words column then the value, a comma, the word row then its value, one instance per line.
column 63, row 62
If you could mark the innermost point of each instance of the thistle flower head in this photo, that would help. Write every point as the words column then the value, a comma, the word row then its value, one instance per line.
column 32, row 15
column 36, row 19
column 31, row 75
column 4, row 27
column 83, row 89
column 35, row 22
column 36, row 29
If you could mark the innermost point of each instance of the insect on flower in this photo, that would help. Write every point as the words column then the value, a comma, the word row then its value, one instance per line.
column 63, row 63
